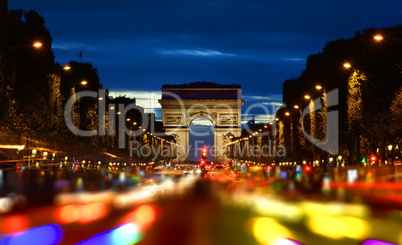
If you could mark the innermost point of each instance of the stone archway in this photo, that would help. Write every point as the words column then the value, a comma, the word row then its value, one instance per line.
column 219, row 103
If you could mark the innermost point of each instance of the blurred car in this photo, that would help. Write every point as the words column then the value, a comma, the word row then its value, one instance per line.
column 159, row 170
column 183, row 169
column 197, row 170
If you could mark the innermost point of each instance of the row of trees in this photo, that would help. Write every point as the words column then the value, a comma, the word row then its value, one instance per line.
column 34, row 91
column 366, row 71
column 365, row 76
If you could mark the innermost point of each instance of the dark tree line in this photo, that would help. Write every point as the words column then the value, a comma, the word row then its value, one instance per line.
column 369, row 95
column 34, row 89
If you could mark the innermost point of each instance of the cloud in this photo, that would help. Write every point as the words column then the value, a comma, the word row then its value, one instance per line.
column 195, row 52
column 262, row 107
column 67, row 45
column 277, row 104
column 259, row 118
column 202, row 122
column 263, row 98
column 294, row 59
column 146, row 99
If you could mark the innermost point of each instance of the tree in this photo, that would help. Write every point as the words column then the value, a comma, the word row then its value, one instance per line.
column 31, row 67
column 396, row 117
column 72, row 79
column 55, row 115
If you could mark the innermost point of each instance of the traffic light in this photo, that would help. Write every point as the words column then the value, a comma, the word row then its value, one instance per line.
column 373, row 158
column 363, row 160
column 204, row 153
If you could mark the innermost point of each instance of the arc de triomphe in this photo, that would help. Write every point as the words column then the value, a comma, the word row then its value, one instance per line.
column 219, row 103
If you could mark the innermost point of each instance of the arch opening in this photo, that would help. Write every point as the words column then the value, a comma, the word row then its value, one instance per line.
column 201, row 134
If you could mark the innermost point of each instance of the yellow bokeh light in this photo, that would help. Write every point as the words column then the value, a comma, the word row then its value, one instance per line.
column 269, row 231
column 337, row 227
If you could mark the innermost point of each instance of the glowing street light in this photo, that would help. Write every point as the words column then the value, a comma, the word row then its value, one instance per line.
column 276, row 119
column 347, row 65
column 37, row 44
column 307, row 97
column 318, row 87
column 84, row 82
column 378, row 38
column 66, row 68
column 287, row 113
column 296, row 106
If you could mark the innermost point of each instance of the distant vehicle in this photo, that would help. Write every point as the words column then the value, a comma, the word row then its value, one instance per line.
column 159, row 170
column 183, row 169
column 197, row 169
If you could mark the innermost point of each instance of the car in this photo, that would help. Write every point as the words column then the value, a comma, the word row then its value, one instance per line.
column 159, row 170
column 183, row 169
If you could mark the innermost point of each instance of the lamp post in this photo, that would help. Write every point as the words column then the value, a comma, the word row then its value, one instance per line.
column 390, row 153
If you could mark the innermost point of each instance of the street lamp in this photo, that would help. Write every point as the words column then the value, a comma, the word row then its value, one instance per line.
column 378, row 38
column 307, row 97
column 296, row 106
column 318, row 87
column 347, row 65
column 37, row 44
column 287, row 113
column 83, row 82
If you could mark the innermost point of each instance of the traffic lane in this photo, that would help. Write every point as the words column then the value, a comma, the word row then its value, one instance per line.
column 194, row 218
column 206, row 215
